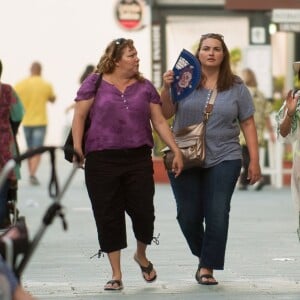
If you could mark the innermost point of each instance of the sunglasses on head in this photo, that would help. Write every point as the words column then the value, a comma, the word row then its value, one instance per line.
column 212, row 35
column 117, row 42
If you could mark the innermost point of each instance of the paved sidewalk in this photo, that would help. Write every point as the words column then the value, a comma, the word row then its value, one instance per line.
column 262, row 260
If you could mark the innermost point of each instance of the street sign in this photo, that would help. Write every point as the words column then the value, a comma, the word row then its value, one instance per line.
column 289, row 27
column 286, row 15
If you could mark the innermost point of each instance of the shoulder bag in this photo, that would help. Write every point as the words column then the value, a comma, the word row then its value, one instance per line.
column 68, row 147
column 191, row 141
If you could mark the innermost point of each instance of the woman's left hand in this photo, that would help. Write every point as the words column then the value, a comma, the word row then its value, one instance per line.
column 254, row 172
column 168, row 78
column 177, row 165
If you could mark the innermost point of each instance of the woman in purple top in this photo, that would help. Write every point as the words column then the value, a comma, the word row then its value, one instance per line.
column 118, row 162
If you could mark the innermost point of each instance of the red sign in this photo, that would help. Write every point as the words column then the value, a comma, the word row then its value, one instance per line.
column 129, row 14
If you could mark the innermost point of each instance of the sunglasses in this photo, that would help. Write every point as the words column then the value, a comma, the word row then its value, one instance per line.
column 118, row 43
column 212, row 35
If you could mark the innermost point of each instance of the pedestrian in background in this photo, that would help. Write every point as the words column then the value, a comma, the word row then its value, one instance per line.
column 118, row 147
column 35, row 93
column 11, row 112
column 288, row 128
column 203, row 195
column 87, row 71
column 262, row 119
column 69, row 109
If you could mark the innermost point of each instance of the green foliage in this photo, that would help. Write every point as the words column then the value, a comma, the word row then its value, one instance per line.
column 158, row 143
column 278, row 83
column 288, row 152
column 276, row 104
column 235, row 55
column 296, row 82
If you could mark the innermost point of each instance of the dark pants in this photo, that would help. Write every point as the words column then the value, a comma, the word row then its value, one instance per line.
column 203, row 199
column 119, row 182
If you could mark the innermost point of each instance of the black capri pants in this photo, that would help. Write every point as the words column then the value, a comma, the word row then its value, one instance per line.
column 120, row 182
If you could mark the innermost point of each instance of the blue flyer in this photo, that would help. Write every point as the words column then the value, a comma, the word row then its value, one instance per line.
column 187, row 74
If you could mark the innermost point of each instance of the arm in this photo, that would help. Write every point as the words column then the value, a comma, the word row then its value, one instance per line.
column 21, row 294
column 168, row 107
column 52, row 99
column 16, row 290
column 16, row 114
column 289, row 112
column 82, row 109
column 52, row 96
column 17, row 110
column 250, row 134
column 162, row 127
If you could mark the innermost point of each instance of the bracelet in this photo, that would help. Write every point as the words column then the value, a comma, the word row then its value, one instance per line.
column 290, row 116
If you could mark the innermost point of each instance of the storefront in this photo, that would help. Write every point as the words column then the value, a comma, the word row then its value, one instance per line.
column 249, row 28
column 246, row 25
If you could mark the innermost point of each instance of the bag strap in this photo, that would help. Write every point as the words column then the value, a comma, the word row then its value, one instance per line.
column 97, row 85
column 210, row 105
column 99, row 79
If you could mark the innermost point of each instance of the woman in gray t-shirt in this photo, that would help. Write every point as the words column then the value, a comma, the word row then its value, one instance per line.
column 203, row 195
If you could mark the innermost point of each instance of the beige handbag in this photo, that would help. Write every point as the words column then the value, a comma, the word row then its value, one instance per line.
column 191, row 141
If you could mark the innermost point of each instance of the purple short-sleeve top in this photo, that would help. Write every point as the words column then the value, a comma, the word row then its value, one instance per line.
column 118, row 120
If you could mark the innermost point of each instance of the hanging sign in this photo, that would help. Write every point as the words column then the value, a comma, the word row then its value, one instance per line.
column 129, row 14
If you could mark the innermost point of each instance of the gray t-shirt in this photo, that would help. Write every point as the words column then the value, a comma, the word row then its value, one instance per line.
column 222, row 132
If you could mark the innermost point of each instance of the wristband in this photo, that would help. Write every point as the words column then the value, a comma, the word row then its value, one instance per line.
column 290, row 116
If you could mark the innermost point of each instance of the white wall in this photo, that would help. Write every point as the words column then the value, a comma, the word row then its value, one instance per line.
column 65, row 36
column 185, row 32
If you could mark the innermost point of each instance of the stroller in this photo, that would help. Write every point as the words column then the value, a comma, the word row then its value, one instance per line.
column 15, row 246
column 12, row 209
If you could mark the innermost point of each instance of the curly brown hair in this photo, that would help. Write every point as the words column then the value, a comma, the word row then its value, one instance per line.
column 112, row 54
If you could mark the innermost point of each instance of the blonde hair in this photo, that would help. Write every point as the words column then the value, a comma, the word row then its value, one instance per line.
column 249, row 77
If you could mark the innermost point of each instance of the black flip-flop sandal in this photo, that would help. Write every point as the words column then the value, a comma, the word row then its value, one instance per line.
column 115, row 285
column 146, row 270
column 207, row 276
column 199, row 278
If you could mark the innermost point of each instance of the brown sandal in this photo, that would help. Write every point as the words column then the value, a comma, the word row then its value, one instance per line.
column 113, row 285
column 199, row 278
column 146, row 270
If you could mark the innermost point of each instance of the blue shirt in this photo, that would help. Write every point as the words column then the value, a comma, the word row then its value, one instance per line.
column 118, row 120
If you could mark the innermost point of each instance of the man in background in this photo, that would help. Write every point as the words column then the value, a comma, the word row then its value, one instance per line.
column 35, row 93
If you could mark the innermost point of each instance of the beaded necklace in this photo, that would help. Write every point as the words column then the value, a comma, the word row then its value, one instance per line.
column 209, row 93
